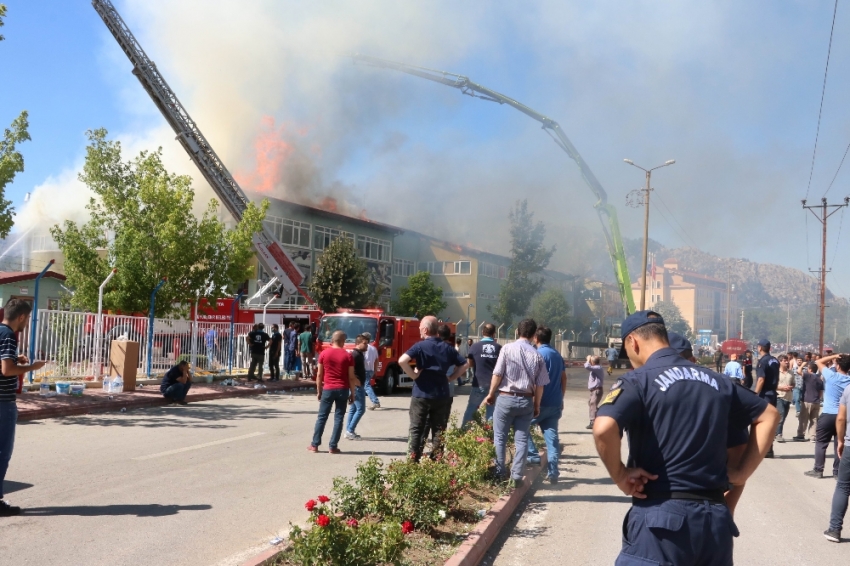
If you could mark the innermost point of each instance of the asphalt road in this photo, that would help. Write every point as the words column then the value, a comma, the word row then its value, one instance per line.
column 578, row 522
column 205, row 484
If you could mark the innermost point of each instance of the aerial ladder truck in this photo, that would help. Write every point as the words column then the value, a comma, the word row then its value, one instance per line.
column 606, row 212
column 271, row 255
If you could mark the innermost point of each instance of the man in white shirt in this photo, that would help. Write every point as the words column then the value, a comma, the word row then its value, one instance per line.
column 369, row 359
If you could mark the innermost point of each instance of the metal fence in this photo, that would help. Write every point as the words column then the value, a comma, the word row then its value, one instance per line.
column 78, row 345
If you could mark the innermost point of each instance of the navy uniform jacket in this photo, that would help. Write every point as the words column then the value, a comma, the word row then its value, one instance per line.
column 678, row 416
column 768, row 368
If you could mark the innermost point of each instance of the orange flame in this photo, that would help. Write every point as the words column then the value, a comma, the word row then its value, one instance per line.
column 329, row 204
column 271, row 153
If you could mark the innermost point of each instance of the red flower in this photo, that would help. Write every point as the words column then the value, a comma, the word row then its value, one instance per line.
column 323, row 499
column 323, row 520
column 310, row 505
column 352, row 523
column 407, row 527
column 453, row 482
column 480, row 439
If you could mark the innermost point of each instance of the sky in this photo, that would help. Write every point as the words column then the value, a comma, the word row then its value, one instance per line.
column 730, row 90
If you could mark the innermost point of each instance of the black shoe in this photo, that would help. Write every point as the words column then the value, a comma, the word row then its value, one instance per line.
column 552, row 480
column 589, row 427
column 799, row 439
column 769, row 454
column 7, row 510
column 814, row 474
column 834, row 536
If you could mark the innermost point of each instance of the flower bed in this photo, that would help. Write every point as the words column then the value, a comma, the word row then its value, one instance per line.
column 402, row 512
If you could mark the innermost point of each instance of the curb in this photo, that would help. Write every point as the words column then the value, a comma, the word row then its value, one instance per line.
column 478, row 540
column 152, row 401
column 473, row 549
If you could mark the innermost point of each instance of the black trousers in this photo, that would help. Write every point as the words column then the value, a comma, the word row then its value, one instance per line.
column 425, row 412
column 257, row 360
column 274, row 366
column 824, row 433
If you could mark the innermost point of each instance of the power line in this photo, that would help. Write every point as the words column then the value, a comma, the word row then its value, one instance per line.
column 822, row 93
column 840, row 224
column 673, row 216
column 664, row 217
column 837, row 170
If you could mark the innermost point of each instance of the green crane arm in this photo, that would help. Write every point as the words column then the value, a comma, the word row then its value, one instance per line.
column 606, row 212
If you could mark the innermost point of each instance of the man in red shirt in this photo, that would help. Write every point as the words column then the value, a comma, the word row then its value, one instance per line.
column 335, row 384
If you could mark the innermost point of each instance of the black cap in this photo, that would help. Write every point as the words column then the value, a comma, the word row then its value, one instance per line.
column 764, row 343
column 679, row 342
column 635, row 321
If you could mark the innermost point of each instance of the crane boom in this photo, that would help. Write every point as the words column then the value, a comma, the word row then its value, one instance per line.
column 604, row 210
column 269, row 252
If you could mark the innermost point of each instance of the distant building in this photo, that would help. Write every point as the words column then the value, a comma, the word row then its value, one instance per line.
column 700, row 298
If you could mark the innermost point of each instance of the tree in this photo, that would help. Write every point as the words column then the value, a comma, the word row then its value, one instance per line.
column 11, row 160
column 550, row 308
column 142, row 224
column 528, row 260
column 341, row 279
column 673, row 319
column 420, row 296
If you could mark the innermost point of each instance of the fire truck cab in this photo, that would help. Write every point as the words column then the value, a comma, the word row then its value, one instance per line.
column 392, row 336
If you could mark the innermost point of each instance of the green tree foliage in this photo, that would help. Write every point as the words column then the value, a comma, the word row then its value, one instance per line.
column 11, row 160
column 673, row 319
column 420, row 296
column 341, row 279
column 550, row 308
column 528, row 260
column 142, row 223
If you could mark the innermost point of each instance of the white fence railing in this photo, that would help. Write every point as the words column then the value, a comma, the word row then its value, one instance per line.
column 75, row 345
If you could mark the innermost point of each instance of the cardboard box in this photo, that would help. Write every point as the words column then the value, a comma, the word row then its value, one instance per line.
column 124, row 361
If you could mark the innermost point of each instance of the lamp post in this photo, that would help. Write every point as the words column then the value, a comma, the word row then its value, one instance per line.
column 99, row 333
column 645, row 202
column 468, row 322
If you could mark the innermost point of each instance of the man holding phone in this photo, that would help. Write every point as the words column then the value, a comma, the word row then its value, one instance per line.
column 15, row 316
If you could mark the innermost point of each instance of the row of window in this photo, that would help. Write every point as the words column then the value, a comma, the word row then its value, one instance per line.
column 294, row 233
column 493, row 270
column 655, row 298
column 455, row 294
column 445, row 267
column 488, row 296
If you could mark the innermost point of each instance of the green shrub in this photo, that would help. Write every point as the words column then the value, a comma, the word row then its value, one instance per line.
column 421, row 492
column 336, row 541
column 365, row 493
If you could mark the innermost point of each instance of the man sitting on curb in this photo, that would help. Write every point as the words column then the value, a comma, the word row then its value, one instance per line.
column 176, row 383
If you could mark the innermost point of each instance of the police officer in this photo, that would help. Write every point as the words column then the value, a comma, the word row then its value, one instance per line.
column 767, row 378
column 677, row 415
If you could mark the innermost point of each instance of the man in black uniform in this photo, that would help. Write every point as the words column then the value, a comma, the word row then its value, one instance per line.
column 275, row 349
column 767, row 378
column 677, row 415
column 258, row 341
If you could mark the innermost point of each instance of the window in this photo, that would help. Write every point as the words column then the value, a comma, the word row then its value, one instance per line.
column 432, row 267
column 43, row 243
column 373, row 248
column 492, row 270
column 458, row 267
column 403, row 268
column 455, row 295
column 486, row 296
column 323, row 236
column 289, row 232
column 53, row 304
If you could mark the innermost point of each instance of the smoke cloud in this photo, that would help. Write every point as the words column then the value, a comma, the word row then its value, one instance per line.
column 729, row 90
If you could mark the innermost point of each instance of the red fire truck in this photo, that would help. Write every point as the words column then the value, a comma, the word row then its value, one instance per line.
column 391, row 335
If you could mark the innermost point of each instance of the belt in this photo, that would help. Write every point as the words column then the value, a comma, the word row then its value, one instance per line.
column 712, row 495
column 514, row 394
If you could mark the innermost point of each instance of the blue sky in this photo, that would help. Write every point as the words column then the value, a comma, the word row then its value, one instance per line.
column 728, row 89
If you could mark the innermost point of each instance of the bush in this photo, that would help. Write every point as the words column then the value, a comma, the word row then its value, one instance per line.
column 472, row 451
column 419, row 492
column 365, row 494
column 334, row 540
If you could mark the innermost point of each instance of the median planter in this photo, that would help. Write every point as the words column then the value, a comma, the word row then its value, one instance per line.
column 403, row 512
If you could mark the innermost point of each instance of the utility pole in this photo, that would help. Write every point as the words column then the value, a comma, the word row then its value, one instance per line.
column 822, row 212
column 788, row 330
column 644, row 193
column 741, row 335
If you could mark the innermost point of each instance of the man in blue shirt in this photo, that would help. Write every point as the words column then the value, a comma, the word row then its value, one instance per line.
column 733, row 369
column 612, row 354
column 834, row 384
column 482, row 358
column 677, row 415
column 551, row 405
column 209, row 340
column 430, row 400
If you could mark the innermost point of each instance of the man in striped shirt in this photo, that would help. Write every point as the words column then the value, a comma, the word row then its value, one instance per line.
column 15, row 315
column 516, row 390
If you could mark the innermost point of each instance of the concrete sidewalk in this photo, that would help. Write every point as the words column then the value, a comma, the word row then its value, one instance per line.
column 32, row 406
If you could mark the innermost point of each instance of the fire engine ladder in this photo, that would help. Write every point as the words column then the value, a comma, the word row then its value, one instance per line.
column 273, row 258
column 606, row 212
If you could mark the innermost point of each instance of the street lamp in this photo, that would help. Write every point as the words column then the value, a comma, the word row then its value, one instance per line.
column 645, row 192
column 471, row 306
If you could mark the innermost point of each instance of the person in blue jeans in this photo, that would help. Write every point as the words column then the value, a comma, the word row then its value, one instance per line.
column 358, row 408
column 482, row 358
column 842, row 485
column 551, row 405
column 370, row 356
column 335, row 383
column 176, row 383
